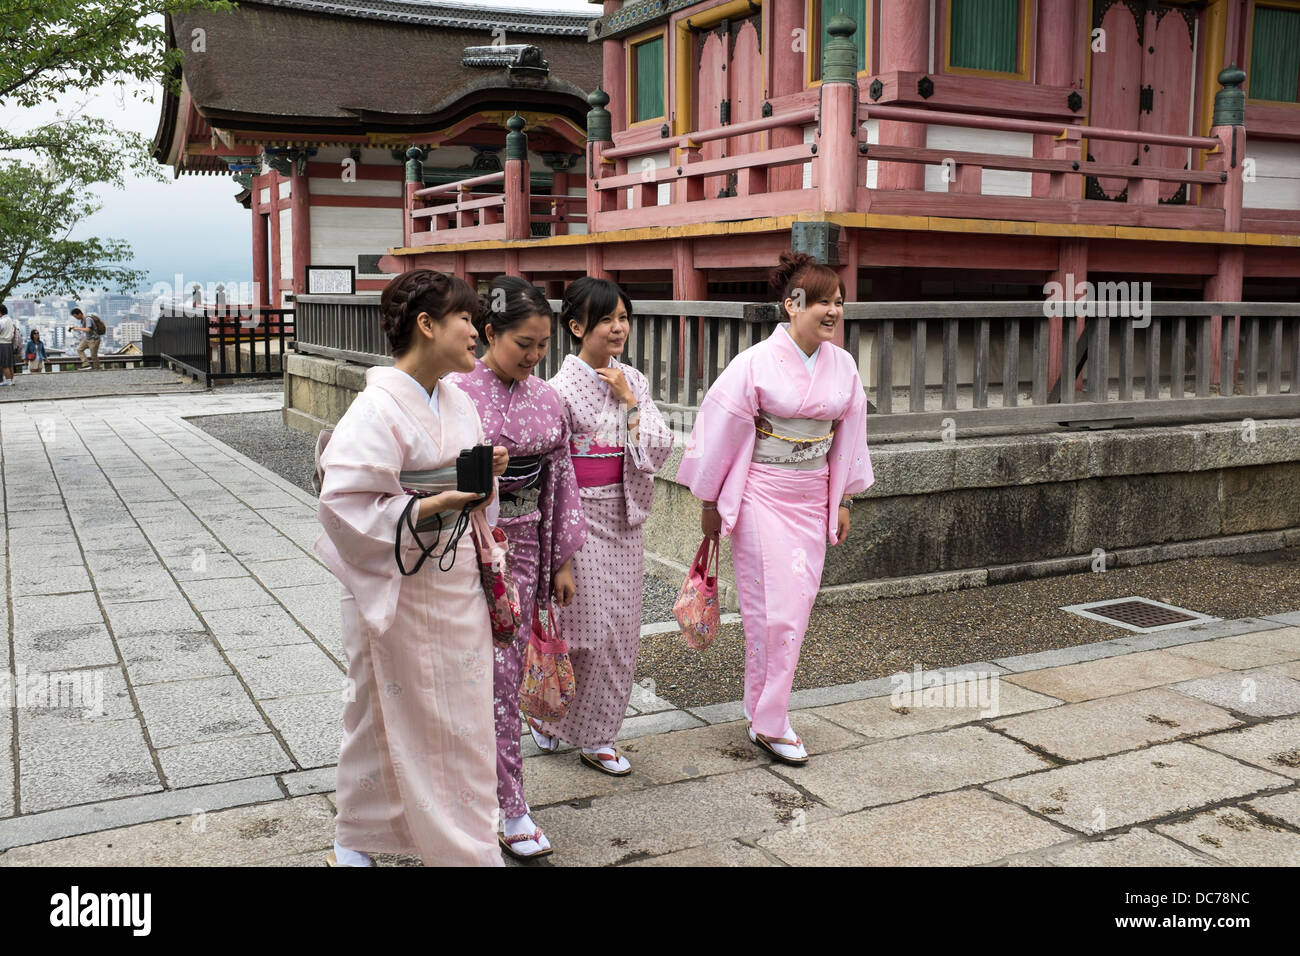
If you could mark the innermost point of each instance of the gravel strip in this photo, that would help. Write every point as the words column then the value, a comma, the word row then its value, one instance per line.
column 264, row 437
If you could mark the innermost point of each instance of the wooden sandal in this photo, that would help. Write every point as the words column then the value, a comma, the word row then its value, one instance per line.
column 766, row 744
column 535, row 729
column 508, row 844
column 597, row 761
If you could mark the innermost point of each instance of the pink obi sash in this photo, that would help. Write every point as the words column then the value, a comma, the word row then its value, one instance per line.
column 596, row 465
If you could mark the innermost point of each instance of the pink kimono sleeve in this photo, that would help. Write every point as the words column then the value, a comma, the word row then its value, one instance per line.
column 361, row 502
column 716, row 461
column 654, row 439
column 849, row 458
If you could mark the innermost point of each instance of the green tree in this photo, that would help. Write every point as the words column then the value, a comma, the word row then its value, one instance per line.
column 48, row 174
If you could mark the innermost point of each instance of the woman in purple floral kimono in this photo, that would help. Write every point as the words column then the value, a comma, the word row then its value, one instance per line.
column 541, row 512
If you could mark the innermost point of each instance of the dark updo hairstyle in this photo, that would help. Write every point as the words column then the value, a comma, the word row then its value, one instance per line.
column 421, row 290
column 520, row 300
column 801, row 271
column 589, row 300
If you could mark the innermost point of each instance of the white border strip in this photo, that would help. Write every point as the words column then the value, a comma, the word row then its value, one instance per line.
column 1082, row 611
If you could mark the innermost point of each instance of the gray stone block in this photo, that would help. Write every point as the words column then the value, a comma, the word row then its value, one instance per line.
column 1254, row 692
column 34, row 615
column 61, row 648
column 187, row 711
column 288, row 670
column 96, row 817
column 257, row 626
column 133, row 584
column 1065, row 655
column 302, row 782
column 840, row 693
column 227, row 758
column 311, row 725
column 1261, row 498
column 221, row 593
column 661, row 723
column 152, row 618
column 1291, row 617
column 6, row 765
column 291, row 572
column 153, row 658
column 719, row 713
column 91, row 760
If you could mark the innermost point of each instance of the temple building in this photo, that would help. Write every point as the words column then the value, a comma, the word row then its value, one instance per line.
column 314, row 107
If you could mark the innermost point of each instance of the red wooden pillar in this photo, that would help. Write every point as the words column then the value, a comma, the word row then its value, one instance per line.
column 300, row 203
column 904, row 45
column 786, row 71
column 518, row 211
column 1071, row 272
column 837, row 142
column 1227, row 160
column 614, row 74
column 1054, row 67
column 689, row 284
column 274, row 294
column 261, row 283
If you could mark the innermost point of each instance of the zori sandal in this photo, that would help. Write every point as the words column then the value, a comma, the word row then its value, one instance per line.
column 547, row 745
column 607, row 760
column 508, row 844
column 782, row 748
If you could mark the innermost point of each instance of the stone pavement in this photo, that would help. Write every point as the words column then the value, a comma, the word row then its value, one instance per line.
column 170, row 584
column 107, row 382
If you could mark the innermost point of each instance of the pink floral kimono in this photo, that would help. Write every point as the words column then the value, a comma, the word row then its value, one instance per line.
column 615, row 473
column 416, row 770
column 779, row 441
column 541, row 515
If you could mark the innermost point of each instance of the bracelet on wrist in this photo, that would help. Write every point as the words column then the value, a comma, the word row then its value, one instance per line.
column 845, row 504
column 707, row 507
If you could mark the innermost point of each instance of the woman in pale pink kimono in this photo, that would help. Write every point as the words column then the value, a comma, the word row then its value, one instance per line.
column 619, row 440
column 417, row 770
column 777, row 451
column 541, row 512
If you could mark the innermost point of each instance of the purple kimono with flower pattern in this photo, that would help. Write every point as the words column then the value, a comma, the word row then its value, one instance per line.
column 529, row 419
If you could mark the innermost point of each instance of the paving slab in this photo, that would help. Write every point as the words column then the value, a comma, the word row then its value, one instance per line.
column 1237, row 838
column 92, row 760
column 1286, row 639
column 221, row 593
column 46, row 579
column 1281, row 806
column 6, row 763
column 311, row 725
column 907, row 767
column 41, row 615
column 562, row 778
column 320, row 780
column 1273, row 745
column 724, row 748
column 1114, row 792
column 226, row 758
column 156, row 658
column 643, row 725
column 727, row 853
column 1234, row 653
column 290, row 572
column 287, row 670
column 1257, row 693
column 1113, row 675
column 623, row 826
column 141, row 619
column 255, row 834
column 135, row 584
column 1137, row 847
column 1113, row 724
column 880, row 718
column 188, row 711
column 964, row 828
column 240, row 628
column 77, row 645
column 55, row 702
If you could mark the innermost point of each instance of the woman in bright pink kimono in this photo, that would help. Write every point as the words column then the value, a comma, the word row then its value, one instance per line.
column 618, row 441
column 778, row 449
column 416, row 771
column 540, row 511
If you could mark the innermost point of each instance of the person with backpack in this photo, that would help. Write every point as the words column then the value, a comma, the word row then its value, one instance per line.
column 92, row 332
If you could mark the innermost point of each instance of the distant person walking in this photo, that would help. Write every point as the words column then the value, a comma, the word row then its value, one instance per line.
column 35, row 352
column 196, row 299
column 8, row 329
column 91, row 333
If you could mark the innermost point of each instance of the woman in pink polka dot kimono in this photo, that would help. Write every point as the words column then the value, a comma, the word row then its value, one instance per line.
column 778, row 449
column 618, row 440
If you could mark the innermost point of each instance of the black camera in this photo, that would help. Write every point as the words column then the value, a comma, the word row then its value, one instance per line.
column 474, row 470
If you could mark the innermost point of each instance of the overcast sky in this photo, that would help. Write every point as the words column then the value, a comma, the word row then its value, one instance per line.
column 191, row 225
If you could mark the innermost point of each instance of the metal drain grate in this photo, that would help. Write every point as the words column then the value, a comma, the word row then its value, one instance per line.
column 1139, row 614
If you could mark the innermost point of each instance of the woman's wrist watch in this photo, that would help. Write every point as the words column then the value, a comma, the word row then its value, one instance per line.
column 845, row 504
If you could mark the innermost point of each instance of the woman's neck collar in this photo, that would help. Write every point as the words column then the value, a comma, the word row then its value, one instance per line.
column 590, row 363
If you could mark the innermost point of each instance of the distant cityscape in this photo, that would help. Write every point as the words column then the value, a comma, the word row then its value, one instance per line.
column 126, row 316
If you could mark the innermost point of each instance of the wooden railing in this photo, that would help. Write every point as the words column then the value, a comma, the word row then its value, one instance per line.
column 1065, row 170
column 928, row 365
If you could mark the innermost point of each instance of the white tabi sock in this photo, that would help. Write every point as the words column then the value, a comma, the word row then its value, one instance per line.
column 346, row 857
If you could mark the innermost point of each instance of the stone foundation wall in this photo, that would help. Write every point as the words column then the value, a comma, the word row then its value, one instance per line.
column 945, row 515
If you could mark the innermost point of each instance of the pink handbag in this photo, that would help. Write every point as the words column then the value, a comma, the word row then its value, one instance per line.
column 696, row 609
column 548, row 686
column 498, row 584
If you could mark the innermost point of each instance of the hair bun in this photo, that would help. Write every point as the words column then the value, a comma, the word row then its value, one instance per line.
column 792, row 263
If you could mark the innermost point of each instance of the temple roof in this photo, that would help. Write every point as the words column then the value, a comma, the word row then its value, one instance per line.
column 356, row 67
